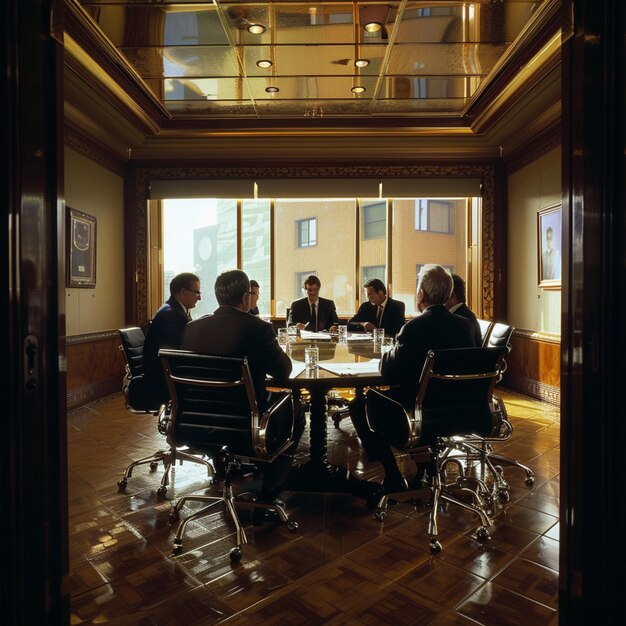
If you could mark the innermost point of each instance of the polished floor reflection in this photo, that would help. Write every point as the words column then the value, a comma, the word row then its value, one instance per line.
column 341, row 567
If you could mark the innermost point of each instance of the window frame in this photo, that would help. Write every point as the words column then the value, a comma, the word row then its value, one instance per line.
column 299, row 238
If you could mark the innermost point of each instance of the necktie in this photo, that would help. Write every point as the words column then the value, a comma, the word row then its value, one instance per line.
column 188, row 316
column 313, row 318
column 379, row 316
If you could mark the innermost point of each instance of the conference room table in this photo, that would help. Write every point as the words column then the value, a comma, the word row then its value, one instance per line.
column 347, row 364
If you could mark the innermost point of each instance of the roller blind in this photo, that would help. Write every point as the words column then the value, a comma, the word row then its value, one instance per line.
column 317, row 188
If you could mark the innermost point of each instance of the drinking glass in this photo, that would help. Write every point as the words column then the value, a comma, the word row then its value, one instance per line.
column 282, row 336
column 378, row 335
column 343, row 334
column 387, row 344
column 311, row 357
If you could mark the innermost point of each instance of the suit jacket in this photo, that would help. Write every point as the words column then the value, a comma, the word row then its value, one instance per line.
column 435, row 329
column 231, row 332
column 392, row 321
column 467, row 313
column 300, row 312
column 165, row 331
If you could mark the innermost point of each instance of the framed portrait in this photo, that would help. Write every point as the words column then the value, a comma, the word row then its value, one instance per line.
column 549, row 246
column 81, row 249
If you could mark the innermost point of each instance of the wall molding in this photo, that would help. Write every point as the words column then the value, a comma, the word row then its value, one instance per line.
column 533, row 388
column 537, row 335
column 73, row 340
column 75, row 139
column 547, row 141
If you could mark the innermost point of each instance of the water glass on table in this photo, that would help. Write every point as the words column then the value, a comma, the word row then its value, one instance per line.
column 343, row 334
column 387, row 344
column 283, row 336
column 378, row 335
column 311, row 357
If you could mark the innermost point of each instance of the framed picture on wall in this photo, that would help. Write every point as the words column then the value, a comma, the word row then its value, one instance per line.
column 81, row 249
column 549, row 246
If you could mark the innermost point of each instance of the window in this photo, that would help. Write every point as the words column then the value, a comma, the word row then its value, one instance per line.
column 374, row 220
column 372, row 271
column 307, row 232
column 255, row 248
column 434, row 216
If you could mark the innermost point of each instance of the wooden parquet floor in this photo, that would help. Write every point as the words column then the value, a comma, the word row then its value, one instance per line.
column 341, row 567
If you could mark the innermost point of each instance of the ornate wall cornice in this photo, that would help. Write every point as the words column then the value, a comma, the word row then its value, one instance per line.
column 85, row 146
column 144, row 174
column 540, row 145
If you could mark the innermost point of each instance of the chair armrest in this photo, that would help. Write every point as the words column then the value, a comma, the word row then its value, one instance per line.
column 259, row 433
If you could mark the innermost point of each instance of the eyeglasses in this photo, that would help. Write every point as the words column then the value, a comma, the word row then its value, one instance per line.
column 198, row 293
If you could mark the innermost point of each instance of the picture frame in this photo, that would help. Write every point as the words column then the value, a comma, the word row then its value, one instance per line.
column 549, row 238
column 81, row 241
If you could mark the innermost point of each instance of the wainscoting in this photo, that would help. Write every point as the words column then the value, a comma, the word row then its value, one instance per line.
column 534, row 365
column 95, row 367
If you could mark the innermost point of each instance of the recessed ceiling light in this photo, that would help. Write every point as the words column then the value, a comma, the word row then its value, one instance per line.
column 256, row 29
column 358, row 89
column 362, row 62
column 272, row 89
column 264, row 63
column 373, row 27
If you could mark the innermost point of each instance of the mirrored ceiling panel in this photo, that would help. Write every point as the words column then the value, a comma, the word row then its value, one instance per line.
column 274, row 58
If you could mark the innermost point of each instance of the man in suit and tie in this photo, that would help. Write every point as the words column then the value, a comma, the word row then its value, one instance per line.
column 435, row 329
column 379, row 312
column 313, row 313
column 456, row 304
column 254, row 298
column 166, row 330
column 232, row 331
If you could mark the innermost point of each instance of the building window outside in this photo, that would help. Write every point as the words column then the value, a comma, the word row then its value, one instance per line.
column 307, row 232
column 374, row 220
column 434, row 216
column 372, row 271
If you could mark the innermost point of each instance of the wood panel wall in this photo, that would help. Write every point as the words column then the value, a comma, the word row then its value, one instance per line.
column 534, row 365
column 95, row 367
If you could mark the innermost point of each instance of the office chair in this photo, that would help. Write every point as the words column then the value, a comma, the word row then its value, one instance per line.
column 214, row 409
column 139, row 400
column 479, row 450
column 455, row 398
column 485, row 329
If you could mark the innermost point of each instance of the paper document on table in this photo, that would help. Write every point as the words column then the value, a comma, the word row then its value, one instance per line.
column 297, row 367
column 352, row 369
column 310, row 335
column 359, row 337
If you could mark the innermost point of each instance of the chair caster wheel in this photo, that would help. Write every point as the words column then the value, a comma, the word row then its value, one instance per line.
column 482, row 534
column 153, row 466
column 380, row 515
column 292, row 526
column 504, row 495
column 235, row 554
column 530, row 481
column 162, row 491
column 435, row 546
column 174, row 517
column 122, row 484
column 178, row 548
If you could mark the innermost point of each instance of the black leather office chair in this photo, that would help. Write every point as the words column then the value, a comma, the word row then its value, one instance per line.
column 500, row 335
column 485, row 329
column 455, row 398
column 214, row 409
column 140, row 400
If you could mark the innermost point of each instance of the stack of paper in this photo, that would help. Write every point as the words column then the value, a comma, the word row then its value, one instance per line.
column 359, row 337
column 352, row 369
column 311, row 336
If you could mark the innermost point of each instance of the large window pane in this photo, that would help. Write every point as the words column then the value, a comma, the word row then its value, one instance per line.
column 426, row 231
column 199, row 236
column 373, row 244
column 255, row 224
column 331, row 258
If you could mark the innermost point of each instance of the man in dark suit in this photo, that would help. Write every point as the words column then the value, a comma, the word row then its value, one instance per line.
column 435, row 329
column 166, row 330
column 313, row 313
column 232, row 331
column 254, row 297
column 456, row 304
column 379, row 312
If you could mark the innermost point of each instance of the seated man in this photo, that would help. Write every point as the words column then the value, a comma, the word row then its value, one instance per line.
column 456, row 304
column 166, row 330
column 313, row 313
column 231, row 331
column 254, row 298
column 379, row 312
column 436, row 328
